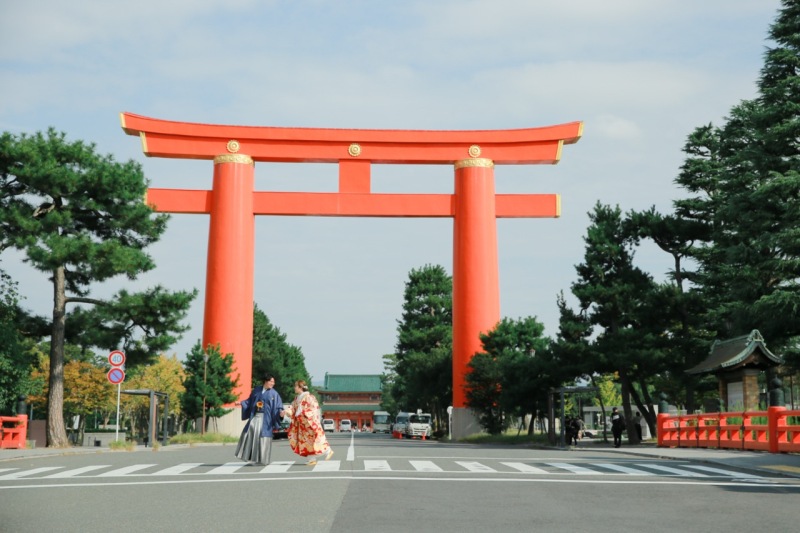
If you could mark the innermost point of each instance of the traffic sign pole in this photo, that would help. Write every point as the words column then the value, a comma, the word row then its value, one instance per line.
column 117, row 375
column 116, row 433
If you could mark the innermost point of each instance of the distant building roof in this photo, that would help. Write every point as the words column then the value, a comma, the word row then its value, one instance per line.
column 746, row 351
column 352, row 383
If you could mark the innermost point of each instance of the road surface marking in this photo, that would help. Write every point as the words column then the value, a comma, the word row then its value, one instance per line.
column 124, row 471
column 528, row 469
column 227, row 468
column 624, row 469
column 730, row 473
column 425, row 466
column 76, row 471
column 475, row 467
column 575, row 469
column 278, row 467
column 177, row 469
column 17, row 475
column 328, row 466
column 377, row 466
column 671, row 470
column 351, row 450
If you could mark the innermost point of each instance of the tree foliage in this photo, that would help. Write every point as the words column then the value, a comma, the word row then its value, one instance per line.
column 14, row 367
column 507, row 379
column 81, row 218
column 422, row 377
column 274, row 354
column 207, row 381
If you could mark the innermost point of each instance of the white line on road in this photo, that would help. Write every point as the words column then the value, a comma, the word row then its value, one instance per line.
column 425, row 466
column 227, row 468
column 524, row 467
column 472, row 466
column 351, row 451
column 17, row 475
column 624, row 469
column 328, row 466
column 177, row 469
column 76, row 471
column 730, row 473
column 278, row 467
column 124, row 471
column 575, row 469
column 377, row 466
column 671, row 470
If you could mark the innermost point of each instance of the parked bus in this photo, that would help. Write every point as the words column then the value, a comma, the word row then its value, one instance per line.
column 381, row 422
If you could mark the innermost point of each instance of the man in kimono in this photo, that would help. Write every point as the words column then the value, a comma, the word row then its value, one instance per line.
column 264, row 412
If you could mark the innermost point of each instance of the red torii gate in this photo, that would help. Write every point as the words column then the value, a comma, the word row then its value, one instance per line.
column 232, row 204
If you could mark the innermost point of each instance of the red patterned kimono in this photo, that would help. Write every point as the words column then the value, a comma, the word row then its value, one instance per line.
column 306, row 436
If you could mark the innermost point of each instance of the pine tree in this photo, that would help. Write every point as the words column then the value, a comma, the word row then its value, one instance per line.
column 81, row 218
column 424, row 349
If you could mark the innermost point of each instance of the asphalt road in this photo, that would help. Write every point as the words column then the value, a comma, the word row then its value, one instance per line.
column 375, row 483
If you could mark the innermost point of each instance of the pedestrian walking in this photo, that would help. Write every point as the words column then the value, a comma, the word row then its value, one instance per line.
column 306, row 436
column 637, row 425
column 263, row 410
column 617, row 426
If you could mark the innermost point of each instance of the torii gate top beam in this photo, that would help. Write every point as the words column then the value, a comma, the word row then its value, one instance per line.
column 163, row 138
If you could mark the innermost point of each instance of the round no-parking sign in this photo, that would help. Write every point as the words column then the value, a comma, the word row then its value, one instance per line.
column 116, row 375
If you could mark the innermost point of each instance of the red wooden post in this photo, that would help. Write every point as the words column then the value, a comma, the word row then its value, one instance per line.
column 228, row 319
column 476, row 290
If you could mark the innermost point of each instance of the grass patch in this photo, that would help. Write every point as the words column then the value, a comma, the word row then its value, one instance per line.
column 120, row 445
column 197, row 438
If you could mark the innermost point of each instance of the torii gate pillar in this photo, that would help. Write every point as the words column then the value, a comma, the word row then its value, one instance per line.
column 476, row 283
column 228, row 317
column 233, row 203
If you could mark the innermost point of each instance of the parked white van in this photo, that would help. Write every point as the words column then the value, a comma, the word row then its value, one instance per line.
column 345, row 426
column 328, row 425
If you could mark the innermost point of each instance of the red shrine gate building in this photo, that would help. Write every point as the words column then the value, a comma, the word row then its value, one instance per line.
column 353, row 397
column 233, row 203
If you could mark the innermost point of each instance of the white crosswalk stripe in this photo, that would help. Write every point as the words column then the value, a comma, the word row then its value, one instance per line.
column 425, row 466
column 624, row 469
column 575, row 469
column 124, row 471
column 227, row 468
column 670, row 470
column 75, row 471
column 380, row 465
column 277, row 467
column 27, row 473
column 525, row 467
column 377, row 466
column 475, row 467
column 328, row 466
column 722, row 472
column 177, row 469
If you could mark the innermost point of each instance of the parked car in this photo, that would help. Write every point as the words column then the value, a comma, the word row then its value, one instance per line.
column 328, row 424
column 345, row 426
column 283, row 432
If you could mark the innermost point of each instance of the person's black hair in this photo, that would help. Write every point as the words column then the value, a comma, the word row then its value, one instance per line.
column 266, row 377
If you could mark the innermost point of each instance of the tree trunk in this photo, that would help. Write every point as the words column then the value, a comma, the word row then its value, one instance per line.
column 625, row 389
column 56, row 432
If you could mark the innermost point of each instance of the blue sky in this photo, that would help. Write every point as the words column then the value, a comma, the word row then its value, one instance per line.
column 641, row 75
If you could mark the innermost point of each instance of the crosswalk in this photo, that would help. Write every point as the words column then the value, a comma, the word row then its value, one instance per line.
column 379, row 465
